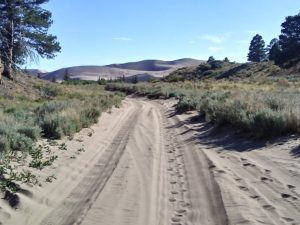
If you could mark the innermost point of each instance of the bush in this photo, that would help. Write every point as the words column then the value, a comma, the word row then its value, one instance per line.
column 30, row 132
column 50, row 91
column 19, row 142
column 186, row 104
column 89, row 116
column 4, row 146
column 57, row 126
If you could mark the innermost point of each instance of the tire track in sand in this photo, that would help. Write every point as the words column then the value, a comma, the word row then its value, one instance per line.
column 170, row 177
column 75, row 206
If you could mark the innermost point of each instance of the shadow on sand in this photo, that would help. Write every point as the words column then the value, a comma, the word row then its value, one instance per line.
column 296, row 151
column 228, row 137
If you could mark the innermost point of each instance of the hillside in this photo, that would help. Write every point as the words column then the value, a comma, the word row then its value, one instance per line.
column 143, row 70
column 219, row 70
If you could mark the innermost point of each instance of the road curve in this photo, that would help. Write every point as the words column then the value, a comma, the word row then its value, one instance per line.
column 148, row 174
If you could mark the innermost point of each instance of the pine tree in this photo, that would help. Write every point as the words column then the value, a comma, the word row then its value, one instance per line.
column 210, row 59
column 274, row 50
column 67, row 75
column 24, row 28
column 289, row 40
column 135, row 79
column 226, row 60
column 257, row 49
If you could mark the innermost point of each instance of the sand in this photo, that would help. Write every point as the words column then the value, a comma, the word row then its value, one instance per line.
column 143, row 164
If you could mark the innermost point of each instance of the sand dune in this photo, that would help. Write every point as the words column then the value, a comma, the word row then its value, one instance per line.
column 142, row 69
column 144, row 165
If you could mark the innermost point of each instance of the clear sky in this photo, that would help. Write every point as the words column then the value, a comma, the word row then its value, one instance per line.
column 99, row 32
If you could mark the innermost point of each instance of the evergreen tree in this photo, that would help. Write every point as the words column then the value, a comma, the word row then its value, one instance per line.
column 257, row 49
column 226, row 60
column 67, row 75
column 210, row 59
column 24, row 28
column 135, row 79
column 289, row 39
column 274, row 50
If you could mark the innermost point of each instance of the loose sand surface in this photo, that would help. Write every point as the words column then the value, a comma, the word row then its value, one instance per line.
column 144, row 165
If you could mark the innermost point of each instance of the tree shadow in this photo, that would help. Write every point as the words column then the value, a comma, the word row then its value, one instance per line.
column 295, row 152
column 227, row 138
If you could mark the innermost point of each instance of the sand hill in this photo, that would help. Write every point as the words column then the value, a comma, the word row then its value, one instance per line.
column 145, row 70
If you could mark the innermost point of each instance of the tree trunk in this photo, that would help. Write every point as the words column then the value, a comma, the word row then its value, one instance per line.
column 8, row 71
column 8, row 54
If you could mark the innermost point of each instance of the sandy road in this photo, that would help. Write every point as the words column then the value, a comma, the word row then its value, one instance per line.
column 143, row 165
column 147, row 175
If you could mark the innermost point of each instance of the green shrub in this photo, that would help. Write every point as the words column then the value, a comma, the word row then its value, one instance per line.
column 89, row 116
column 30, row 132
column 4, row 146
column 19, row 142
column 50, row 91
column 51, row 127
column 186, row 104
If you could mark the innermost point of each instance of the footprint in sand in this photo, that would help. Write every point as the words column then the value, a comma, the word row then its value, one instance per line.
column 175, row 219
column 284, row 195
column 220, row 171
column 291, row 186
column 173, row 182
column 269, row 207
column 254, row 196
column 243, row 188
column 181, row 211
column 172, row 199
column 174, row 192
column 212, row 166
column 288, row 219
column 264, row 178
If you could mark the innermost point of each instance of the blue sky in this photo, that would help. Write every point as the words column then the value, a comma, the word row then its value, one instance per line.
column 99, row 32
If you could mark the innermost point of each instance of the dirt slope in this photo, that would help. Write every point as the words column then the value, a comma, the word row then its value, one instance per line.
column 143, row 165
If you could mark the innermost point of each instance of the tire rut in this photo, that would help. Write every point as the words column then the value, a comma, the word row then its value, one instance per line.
column 73, row 209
